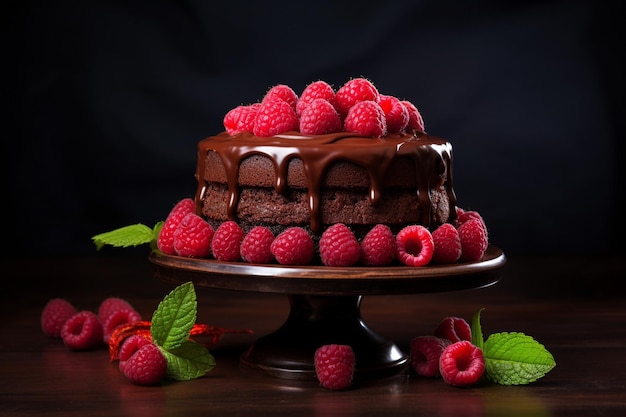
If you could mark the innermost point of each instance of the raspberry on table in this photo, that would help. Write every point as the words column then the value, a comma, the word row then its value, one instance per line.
column 396, row 114
column 241, row 119
column 334, row 366
column 474, row 240
column 294, row 246
column 165, row 241
column 192, row 237
column 453, row 329
column 315, row 90
column 447, row 244
column 319, row 118
column 226, row 242
column 116, row 319
column 354, row 91
column 255, row 246
column 366, row 118
column 282, row 92
column 82, row 331
column 414, row 245
column 339, row 247
column 141, row 361
column 275, row 116
column 416, row 122
column 425, row 352
column 110, row 306
column 54, row 315
column 461, row 364
column 378, row 247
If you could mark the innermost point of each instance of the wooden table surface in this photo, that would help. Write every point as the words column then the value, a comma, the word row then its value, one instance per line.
column 573, row 305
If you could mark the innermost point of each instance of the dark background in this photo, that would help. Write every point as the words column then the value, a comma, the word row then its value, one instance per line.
column 105, row 102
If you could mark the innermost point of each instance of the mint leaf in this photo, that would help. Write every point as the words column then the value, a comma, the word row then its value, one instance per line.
column 515, row 359
column 188, row 361
column 134, row 235
column 156, row 230
column 174, row 317
column 477, row 332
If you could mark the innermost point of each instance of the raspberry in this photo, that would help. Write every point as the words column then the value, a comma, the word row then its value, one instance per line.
column 354, row 91
column 165, row 241
column 378, row 247
column 396, row 114
column 54, row 315
column 293, row 246
column 319, row 118
column 334, row 366
column 110, row 306
column 474, row 240
column 367, row 119
column 425, row 353
column 447, row 244
column 415, row 118
column 192, row 237
column 141, row 361
column 415, row 245
column 82, row 331
column 255, row 246
column 461, row 364
column 339, row 247
column 282, row 92
column 275, row 116
column 226, row 242
column 241, row 119
column 453, row 329
column 317, row 89
column 116, row 319
column 464, row 215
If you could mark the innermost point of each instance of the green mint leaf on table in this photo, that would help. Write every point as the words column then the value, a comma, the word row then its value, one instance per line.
column 133, row 235
column 516, row 359
column 477, row 333
column 188, row 361
column 174, row 317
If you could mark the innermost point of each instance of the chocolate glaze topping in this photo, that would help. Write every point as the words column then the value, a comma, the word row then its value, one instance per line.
column 431, row 155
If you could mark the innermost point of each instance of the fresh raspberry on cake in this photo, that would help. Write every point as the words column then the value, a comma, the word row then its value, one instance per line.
column 282, row 92
column 453, row 329
column 339, row 247
column 415, row 246
column 165, row 241
column 192, row 237
column 275, row 116
column 461, row 364
column 82, row 331
column 241, row 119
column 447, row 244
column 474, row 240
column 294, row 246
column 366, row 118
column 315, row 90
column 54, row 315
column 396, row 114
column 334, row 366
column 354, row 91
column 226, row 242
column 425, row 352
column 378, row 247
column 141, row 361
column 416, row 122
column 319, row 118
column 465, row 215
column 255, row 246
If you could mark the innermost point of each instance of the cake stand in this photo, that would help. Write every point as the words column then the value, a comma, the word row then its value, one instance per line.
column 325, row 305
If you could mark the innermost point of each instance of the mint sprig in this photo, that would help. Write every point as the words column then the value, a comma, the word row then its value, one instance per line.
column 512, row 358
column 127, row 236
column 170, row 327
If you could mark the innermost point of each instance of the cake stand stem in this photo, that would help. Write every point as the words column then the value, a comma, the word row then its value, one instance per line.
column 316, row 320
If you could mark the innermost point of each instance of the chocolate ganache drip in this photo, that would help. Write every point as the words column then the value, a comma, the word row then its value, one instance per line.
column 431, row 156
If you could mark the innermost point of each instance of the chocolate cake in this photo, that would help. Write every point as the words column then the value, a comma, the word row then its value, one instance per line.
column 314, row 181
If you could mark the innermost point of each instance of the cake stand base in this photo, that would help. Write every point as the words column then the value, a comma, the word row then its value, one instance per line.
column 315, row 321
